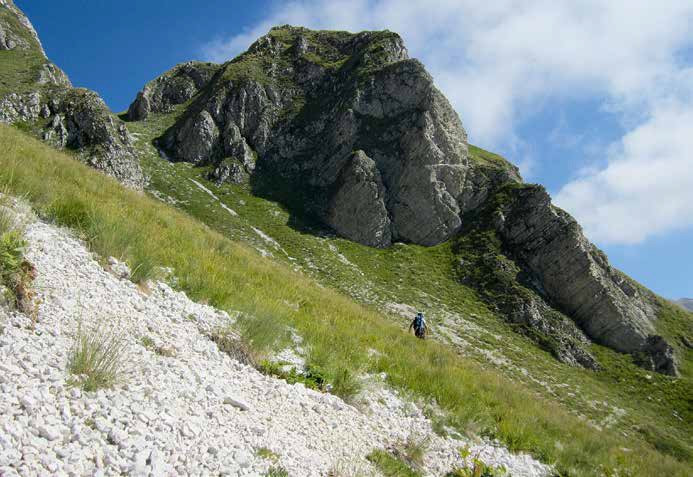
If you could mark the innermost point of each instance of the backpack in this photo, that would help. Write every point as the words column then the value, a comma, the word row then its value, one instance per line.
column 419, row 325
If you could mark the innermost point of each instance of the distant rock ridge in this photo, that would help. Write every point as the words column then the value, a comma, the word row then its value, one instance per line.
column 686, row 303
column 577, row 278
column 347, row 129
column 43, row 99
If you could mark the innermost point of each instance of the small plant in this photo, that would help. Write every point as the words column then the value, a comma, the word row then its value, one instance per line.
column 474, row 467
column 166, row 351
column 266, row 453
column 312, row 378
column 277, row 471
column 16, row 273
column 96, row 359
column 147, row 342
column 390, row 465
column 229, row 343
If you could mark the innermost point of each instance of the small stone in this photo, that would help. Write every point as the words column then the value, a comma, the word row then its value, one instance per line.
column 236, row 403
column 49, row 433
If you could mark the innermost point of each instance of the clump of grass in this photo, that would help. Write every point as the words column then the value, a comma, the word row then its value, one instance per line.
column 277, row 471
column 390, row 465
column 412, row 450
column 229, row 342
column 97, row 358
column 16, row 273
column 266, row 453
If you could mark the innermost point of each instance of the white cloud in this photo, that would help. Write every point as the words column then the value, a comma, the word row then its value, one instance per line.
column 501, row 62
column 647, row 186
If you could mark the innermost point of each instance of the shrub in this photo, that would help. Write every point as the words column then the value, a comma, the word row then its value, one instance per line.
column 97, row 358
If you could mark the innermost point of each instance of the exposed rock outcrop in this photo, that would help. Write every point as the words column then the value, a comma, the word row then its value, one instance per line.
column 576, row 276
column 357, row 210
column 69, row 117
column 172, row 88
column 302, row 101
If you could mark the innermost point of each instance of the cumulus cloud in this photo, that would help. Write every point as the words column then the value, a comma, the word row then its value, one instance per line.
column 647, row 186
column 501, row 62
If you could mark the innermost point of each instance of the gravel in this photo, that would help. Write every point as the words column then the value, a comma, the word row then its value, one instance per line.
column 194, row 411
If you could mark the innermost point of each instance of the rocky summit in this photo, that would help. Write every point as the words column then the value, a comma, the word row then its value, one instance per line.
column 37, row 94
column 349, row 130
column 349, row 120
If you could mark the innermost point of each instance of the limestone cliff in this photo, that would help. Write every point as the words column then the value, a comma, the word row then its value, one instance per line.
column 36, row 93
column 298, row 105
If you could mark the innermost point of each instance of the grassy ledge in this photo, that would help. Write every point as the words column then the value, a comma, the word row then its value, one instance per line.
column 115, row 221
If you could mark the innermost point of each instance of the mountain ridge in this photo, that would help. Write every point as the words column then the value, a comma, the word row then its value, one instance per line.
column 348, row 129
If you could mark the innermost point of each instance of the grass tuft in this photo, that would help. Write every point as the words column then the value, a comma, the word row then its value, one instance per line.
column 97, row 358
column 391, row 465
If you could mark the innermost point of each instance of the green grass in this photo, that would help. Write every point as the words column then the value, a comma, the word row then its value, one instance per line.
column 277, row 471
column 97, row 358
column 211, row 268
column 391, row 466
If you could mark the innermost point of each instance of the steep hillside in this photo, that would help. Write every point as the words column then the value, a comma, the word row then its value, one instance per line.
column 616, row 430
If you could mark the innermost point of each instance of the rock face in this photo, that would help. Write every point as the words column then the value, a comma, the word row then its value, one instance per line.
column 68, row 117
column 172, row 88
column 576, row 276
column 78, row 119
column 299, row 103
column 357, row 210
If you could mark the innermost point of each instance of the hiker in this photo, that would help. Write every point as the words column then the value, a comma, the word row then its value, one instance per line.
column 419, row 325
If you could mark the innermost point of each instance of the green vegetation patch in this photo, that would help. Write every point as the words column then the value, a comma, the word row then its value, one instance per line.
column 391, row 466
column 97, row 358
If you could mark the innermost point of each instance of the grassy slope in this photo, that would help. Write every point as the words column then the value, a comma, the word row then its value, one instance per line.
column 339, row 332
column 19, row 69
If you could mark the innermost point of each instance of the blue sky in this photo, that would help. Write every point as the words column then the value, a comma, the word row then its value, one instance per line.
column 593, row 99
